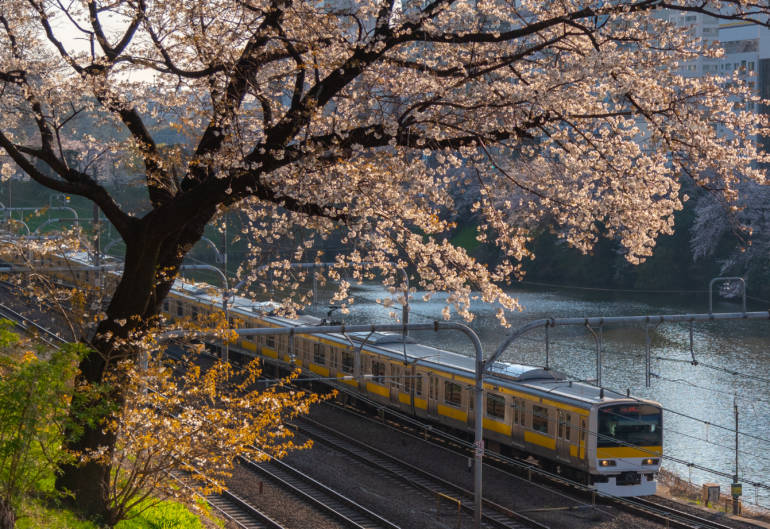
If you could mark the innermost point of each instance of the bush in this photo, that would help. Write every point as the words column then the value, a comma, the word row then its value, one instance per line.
column 34, row 396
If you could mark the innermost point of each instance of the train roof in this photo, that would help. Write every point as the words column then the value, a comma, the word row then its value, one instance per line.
column 540, row 381
column 546, row 383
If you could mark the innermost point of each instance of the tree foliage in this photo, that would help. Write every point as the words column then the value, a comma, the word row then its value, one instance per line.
column 359, row 118
column 35, row 388
column 181, row 429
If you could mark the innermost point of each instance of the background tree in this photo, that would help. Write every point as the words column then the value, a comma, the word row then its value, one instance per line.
column 355, row 116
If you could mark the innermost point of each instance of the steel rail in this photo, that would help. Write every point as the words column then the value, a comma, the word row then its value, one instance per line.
column 684, row 518
column 26, row 324
column 412, row 475
column 318, row 494
column 234, row 508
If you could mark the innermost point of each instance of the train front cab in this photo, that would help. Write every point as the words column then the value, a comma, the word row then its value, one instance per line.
column 628, row 448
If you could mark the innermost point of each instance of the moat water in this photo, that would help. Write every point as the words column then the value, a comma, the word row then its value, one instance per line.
column 699, row 419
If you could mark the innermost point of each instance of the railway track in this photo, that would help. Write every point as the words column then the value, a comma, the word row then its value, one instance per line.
column 238, row 511
column 677, row 517
column 31, row 327
column 339, row 507
column 233, row 508
column 642, row 507
column 494, row 515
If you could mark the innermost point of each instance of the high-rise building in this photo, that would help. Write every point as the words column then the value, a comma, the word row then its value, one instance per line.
column 746, row 52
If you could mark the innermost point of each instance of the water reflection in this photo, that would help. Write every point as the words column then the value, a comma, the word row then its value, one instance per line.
column 732, row 362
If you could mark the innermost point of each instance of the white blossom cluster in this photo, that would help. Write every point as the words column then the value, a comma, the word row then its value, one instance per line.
column 352, row 121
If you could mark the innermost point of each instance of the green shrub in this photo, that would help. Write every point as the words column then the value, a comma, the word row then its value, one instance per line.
column 164, row 515
column 35, row 388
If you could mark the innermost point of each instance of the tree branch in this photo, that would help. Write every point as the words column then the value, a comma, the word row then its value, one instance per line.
column 76, row 183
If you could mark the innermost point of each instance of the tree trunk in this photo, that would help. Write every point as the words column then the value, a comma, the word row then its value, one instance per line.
column 7, row 515
column 88, row 483
column 130, row 307
column 151, row 264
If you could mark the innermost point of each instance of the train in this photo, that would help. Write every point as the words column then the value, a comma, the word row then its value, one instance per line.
column 609, row 441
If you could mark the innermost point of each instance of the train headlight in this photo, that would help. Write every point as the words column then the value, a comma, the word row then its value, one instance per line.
column 651, row 461
column 607, row 463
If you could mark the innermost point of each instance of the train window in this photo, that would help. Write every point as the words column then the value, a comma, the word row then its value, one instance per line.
column 395, row 376
column 302, row 346
column 453, row 393
column 166, row 306
column 413, row 381
column 495, row 406
column 539, row 419
column 270, row 341
column 347, row 362
column 194, row 313
column 378, row 371
column 568, row 426
column 179, row 308
column 334, row 357
column 624, row 425
column 319, row 355
column 582, row 429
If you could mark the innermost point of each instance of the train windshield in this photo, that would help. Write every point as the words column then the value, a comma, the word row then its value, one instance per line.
column 630, row 424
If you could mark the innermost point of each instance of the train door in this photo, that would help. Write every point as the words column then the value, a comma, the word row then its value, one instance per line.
column 432, row 394
column 563, row 434
column 470, row 402
column 363, row 369
column 517, row 421
column 395, row 382
column 582, row 435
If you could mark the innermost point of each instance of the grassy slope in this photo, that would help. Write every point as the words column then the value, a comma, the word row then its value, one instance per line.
column 167, row 515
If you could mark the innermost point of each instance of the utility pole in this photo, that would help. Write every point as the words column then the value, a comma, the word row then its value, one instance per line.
column 736, row 487
column 97, row 242
column 225, row 296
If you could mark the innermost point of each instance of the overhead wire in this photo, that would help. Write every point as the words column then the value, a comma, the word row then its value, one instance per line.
column 715, row 368
column 690, row 417
column 608, row 289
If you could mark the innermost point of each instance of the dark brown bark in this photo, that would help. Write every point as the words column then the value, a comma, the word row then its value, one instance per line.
column 7, row 515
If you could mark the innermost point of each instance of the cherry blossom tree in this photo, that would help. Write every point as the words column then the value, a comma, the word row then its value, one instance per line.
column 735, row 234
column 357, row 118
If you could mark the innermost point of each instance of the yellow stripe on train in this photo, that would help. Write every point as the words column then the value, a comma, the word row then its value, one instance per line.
column 452, row 413
column 540, row 440
column 377, row 389
column 320, row 370
column 496, row 426
column 404, row 398
column 248, row 346
column 628, row 451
